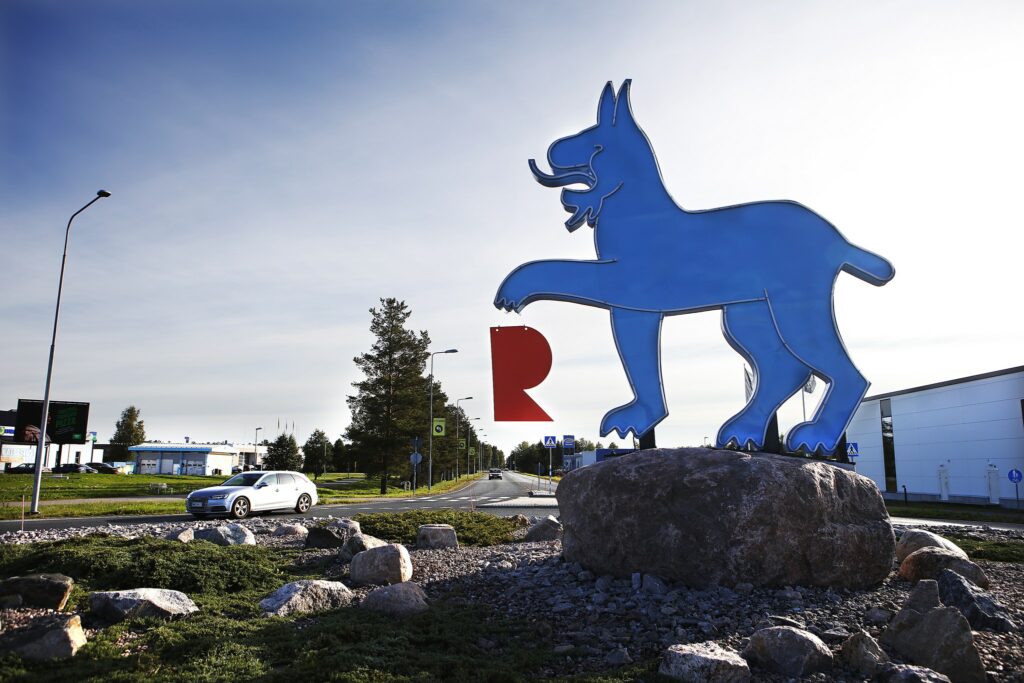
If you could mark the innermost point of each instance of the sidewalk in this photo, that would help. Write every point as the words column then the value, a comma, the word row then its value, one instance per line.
column 123, row 499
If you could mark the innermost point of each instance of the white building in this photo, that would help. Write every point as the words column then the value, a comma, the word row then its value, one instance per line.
column 956, row 440
column 16, row 454
column 184, row 458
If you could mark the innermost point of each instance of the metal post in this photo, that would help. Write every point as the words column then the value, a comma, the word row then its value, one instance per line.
column 256, row 440
column 430, row 436
column 458, row 423
column 45, row 414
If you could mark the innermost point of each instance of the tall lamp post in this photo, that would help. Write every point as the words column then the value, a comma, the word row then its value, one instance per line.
column 45, row 415
column 458, row 423
column 430, row 436
column 469, row 442
column 480, row 455
column 255, row 447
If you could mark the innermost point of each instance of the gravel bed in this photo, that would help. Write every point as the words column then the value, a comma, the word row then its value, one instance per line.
column 600, row 623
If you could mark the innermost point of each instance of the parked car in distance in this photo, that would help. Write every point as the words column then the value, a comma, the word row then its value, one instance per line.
column 25, row 468
column 104, row 468
column 248, row 492
column 73, row 468
column 494, row 473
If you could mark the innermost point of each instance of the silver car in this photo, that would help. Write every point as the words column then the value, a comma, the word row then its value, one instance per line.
column 248, row 492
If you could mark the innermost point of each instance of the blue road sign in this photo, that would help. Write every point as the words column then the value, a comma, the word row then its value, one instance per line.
column 415, row 458
column 569, row 441
column 852, row 449
column 549, row 442
column 1015, row 476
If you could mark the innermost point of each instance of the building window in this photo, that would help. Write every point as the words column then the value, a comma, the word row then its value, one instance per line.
column 888, row 448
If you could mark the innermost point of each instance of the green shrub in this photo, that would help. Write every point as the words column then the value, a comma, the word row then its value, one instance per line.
column 102, row 562
column 998, row 551
column 472, row 528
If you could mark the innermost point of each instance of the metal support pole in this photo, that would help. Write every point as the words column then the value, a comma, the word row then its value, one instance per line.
column 430, row 436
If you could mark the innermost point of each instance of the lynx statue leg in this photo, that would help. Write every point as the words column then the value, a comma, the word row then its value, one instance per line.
column 809, row 330
column 637, row 337
column 750, row 330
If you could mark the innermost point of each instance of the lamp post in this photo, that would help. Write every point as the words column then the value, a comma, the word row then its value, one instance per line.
column 255, row 446
column 469, row 442
column 45, row 414
column 480, row 455
column 458, row 423
column 430, row 436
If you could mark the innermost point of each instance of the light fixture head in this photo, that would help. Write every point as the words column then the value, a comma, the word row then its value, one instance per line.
column 452, row 351
column 102, row 193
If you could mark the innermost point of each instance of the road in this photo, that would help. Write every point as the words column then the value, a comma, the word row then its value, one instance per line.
column 505, row 496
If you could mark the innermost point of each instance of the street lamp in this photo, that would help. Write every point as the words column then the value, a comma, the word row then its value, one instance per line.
column 45, row 415
column 255, row 446
column 469, row 442
column 458, row 423
column 430, row 436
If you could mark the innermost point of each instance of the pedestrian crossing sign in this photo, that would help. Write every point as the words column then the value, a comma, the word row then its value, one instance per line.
column 851, row 449
column 549, row 442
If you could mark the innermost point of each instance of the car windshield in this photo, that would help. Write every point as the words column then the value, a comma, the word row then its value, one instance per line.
column 243, row 479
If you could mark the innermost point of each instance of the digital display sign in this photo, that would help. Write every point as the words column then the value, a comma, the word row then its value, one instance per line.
column 67, row 422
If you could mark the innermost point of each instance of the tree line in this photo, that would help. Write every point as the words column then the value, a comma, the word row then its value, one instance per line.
column 527, row 456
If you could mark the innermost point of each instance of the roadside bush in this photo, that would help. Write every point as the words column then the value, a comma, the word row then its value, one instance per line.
column 103, row 562
column 472, row 528
column 997, row 551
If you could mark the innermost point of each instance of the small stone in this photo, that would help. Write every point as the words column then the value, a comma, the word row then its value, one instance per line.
column 788, row 651
column 325, row 537
column 55, row 636
column 653, row 585
column 603, row 583
column 225, row 535
column 40, row 590
column 162, row 603
column 980, row 609
column 562, row 649
column 939, row 639
column 928, row 563
column 906, row 673
column 744, row 588
column 387, row 564
column 862, row 653
column 436, row 536
column 357, row 544
column 291, row 530
column 585, row 576
column 618, row 657
column 306, row 597
column 186, row 535
column 636, row 580
column 877, row 616
column 924, row 596
column 704, row 663
column 547, row 529
column 913, row 540
column 400, row 599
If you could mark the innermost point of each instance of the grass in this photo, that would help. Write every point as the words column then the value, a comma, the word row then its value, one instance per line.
column 228, row 640
column 472, row 528
column 64, row 487
column 998, row 551
column 358, row 490
column 100, row 509
column 955, row 511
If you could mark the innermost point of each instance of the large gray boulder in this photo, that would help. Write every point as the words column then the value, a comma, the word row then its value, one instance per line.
column 707, row 517
column 357, row 544
column 788, row 651
column 704, row 663
column 928, row 563
column 915, row 539
column 140, row 602
column 226, row 534
column 377, row 566
column 940, row 639
column 430, row 536
column 39, row 590
column 399, row 600
column 55, row 636
column 305, row 597
column 981, row 610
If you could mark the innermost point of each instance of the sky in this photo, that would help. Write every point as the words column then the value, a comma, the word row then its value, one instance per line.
column 276, row 167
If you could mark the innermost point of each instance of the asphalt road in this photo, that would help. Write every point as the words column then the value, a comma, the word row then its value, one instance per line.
column 505, row 496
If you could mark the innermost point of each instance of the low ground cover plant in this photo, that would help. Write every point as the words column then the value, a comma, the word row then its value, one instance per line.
column 472, row 528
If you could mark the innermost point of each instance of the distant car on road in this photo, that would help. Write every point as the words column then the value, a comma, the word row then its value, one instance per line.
column 105, row 468
column 25, row 468
column 248, row 492
column 74, row 468
column 494, row 473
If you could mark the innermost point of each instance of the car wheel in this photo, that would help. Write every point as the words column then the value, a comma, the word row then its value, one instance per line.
column 305, row 502
column 240, row 508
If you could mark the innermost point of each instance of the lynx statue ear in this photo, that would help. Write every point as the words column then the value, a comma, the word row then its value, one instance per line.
column 606, row 106
column 622, row 110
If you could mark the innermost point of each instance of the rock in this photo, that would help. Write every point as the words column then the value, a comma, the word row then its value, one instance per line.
column 389, row 563
column 520, row 520
column 436, row 536
column 325, row 537
column 979, row 608
column 305, row 597
column 652, row 585
column 227, row 534
column 618, row 657
column 562, row 649
column 743, row 588
column 291, row 530
column 939, row 639
column 12, row 601
column 905, row 673
column 707, row 517
column 788, row 651
column 603, row 583
column 186, row 535
column 877, row 616
column 924, row 596
column 704, row 663
column 913, row 540
column 40, row 590
column 928, row 563
column 346, row 527
column 834, row 635
column 117, row 606
column 400, row 599
column 54, row 636
column 862, row 653
column 547, row 529
column 357, row 544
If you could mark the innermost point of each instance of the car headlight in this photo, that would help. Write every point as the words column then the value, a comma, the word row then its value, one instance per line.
column 219, row 496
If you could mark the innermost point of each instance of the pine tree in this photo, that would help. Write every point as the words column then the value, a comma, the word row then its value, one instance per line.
column 318, row 452
column 283, row 454
column 387, row 409
column 128, row 431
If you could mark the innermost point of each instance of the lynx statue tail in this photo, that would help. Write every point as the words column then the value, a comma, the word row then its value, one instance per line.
column 868, row 267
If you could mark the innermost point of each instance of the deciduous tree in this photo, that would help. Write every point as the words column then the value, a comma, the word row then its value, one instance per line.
column 128, row 431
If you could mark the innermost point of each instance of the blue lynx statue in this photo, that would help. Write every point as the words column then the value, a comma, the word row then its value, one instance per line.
column 770, row 266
